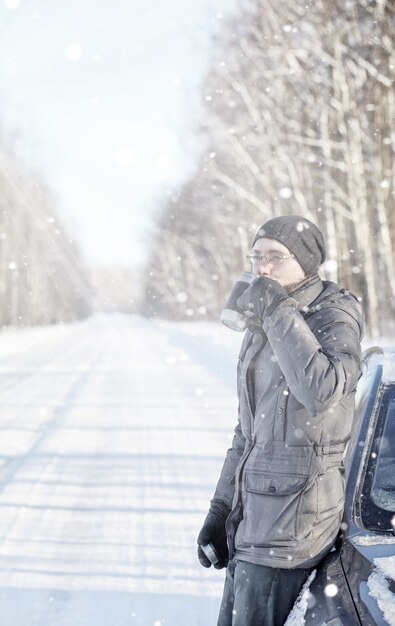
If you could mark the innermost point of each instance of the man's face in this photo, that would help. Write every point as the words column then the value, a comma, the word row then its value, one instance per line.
column 286, row 271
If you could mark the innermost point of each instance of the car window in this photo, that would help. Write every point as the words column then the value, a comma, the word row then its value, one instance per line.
column 378, row 491
column 364, row 402
column 383, row 487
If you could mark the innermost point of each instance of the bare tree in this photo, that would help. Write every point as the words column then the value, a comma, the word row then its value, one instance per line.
column 42, row 277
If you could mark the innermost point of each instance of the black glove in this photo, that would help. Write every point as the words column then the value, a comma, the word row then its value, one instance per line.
column 261, row 298
column 213, row 531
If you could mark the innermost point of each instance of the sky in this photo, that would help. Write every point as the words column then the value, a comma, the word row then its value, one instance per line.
column 103, row 99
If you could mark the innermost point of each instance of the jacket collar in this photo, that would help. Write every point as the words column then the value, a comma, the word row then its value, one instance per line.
column 307, row 291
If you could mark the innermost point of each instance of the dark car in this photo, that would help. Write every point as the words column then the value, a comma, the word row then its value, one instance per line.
column 355, row 582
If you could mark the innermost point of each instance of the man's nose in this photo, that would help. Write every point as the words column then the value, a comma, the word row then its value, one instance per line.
column 262, row 268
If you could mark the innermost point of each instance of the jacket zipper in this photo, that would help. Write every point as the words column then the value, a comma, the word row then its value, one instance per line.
column 238, row 506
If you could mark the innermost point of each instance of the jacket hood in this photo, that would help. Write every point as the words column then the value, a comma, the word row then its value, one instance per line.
column 342, row 299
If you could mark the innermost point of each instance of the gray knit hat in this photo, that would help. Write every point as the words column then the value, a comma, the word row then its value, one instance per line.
column 300, row 236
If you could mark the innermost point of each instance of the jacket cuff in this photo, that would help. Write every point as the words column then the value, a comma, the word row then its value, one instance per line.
column 218, row 506
column 280, row 310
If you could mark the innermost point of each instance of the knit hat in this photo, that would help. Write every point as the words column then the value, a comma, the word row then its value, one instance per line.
column 300, row 236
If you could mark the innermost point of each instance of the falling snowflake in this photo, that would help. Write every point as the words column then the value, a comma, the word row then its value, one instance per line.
column 331, row 590
column 330, row 265
column 301, row 226
column 181, row 296
column 11, row 4
column 73, row 52
column 285, row 193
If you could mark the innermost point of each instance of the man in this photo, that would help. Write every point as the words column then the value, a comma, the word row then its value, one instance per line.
column 278, row 504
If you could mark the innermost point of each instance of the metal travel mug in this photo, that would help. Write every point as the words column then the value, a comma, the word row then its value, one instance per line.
column 210, row 553
column 231, row 316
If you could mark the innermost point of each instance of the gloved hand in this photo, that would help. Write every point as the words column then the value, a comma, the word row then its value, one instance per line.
column 213, row 531
column 261, row 298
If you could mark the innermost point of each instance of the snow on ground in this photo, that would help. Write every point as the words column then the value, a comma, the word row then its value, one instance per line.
column 297, row 613
column 113, row 433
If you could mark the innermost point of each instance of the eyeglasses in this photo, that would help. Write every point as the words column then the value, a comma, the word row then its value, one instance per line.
column 269, row 259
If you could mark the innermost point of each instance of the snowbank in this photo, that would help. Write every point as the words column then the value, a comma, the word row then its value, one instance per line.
column 296, row 616
column 378, row 585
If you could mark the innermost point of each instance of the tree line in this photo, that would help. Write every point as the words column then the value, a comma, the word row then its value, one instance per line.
column 43, row 279
column 297, row 116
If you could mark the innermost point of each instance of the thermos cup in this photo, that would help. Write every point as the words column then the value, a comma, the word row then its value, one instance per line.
column 231, row 316
column 210, row 553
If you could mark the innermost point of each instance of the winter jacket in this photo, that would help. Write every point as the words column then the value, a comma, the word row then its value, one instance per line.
column 283, row 477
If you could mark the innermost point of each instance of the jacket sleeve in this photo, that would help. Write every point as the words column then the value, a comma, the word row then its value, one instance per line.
column 226, row 485
column 319, row 366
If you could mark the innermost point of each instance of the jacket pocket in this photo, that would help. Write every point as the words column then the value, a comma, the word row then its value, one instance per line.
column 268, row 483
column 271, row 506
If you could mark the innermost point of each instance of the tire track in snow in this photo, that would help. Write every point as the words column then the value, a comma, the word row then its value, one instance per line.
column 110, row 498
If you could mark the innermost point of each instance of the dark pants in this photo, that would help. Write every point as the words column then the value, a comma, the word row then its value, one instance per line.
column 256, row 595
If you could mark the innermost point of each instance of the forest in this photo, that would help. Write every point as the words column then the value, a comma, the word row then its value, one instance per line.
column 43, row 279
column 297, row 117
column 44, row 275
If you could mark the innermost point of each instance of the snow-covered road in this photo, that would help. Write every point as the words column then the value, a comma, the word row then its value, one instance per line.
column 112, row 436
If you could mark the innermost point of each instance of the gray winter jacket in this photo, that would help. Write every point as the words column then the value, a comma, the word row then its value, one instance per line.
column 283, row 475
